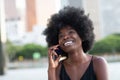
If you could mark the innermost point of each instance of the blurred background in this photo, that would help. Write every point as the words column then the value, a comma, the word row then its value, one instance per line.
column 23, row 49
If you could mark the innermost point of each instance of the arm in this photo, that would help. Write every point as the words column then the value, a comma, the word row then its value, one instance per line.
column 53, row 64
column 101, row 68
column 51, row 74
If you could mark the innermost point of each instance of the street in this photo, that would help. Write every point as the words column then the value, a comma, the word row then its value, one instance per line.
column 41, row 73
column 25, row 74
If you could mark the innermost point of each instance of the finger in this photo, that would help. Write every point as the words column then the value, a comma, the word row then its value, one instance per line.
column 51, row 51
column 52, row 55
column 58, row 58
column 53, row 47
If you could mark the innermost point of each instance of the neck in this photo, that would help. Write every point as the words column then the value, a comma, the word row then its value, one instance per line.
column 77, row 57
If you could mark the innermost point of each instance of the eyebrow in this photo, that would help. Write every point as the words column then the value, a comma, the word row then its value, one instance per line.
column 68, row 29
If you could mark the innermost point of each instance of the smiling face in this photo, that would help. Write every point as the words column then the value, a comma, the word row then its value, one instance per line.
column 69, row 39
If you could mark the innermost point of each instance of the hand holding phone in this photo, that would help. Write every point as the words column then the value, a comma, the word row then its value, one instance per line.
column 59, row 51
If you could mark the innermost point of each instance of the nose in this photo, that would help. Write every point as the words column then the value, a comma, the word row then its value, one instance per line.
column 66, row 36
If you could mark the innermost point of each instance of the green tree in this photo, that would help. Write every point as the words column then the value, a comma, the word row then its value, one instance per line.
column 110, row 44
column 28, row 50
column 12, row 49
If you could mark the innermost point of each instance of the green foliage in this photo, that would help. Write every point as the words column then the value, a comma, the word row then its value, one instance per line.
column 11, row 49
column 26, row 51
column 110, row 44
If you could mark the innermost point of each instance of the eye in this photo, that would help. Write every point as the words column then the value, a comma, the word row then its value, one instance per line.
column 60, row 36
column 71, row 31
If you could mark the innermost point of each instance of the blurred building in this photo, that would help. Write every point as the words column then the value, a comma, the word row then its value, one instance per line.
column 15, row 27
column 110, row 10
column 31, row 18
column 26, row 19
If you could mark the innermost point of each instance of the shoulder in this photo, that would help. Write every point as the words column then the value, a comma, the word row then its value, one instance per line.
column 98, row 60
column 100, row 67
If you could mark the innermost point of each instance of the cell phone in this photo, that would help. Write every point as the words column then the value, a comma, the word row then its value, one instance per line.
column 59, row 51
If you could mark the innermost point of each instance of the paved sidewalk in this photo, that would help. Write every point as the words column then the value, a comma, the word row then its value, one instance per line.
column 43, row 62
column 40, row 71
column 26, row 70
column 26, row 74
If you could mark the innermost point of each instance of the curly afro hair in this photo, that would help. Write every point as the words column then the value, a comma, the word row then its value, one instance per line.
column 74, row 17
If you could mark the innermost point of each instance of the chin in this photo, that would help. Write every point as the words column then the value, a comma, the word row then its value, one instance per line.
column 69, row 48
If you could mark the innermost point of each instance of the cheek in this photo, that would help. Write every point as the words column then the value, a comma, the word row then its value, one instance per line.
column 78, row 39
column 59, row 41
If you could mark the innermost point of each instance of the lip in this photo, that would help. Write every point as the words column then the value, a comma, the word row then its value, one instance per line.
column 68, row 42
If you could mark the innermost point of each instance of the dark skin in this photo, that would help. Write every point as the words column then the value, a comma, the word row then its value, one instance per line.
column 77, row 61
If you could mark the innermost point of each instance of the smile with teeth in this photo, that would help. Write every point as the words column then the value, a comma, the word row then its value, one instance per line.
column 68, row 43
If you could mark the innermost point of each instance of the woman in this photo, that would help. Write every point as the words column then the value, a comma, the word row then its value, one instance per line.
column 72, row 31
